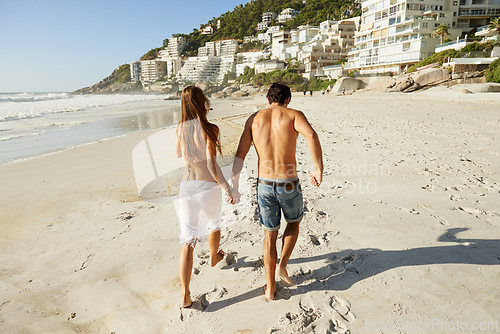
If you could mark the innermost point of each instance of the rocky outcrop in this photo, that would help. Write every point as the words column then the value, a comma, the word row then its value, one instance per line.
column 348, row 85
column 103, row 87
column 488, row 87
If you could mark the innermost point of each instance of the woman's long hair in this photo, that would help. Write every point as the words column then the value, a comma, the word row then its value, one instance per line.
column 195, row 106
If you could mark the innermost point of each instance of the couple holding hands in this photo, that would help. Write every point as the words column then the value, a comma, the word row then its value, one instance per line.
column 273, row 132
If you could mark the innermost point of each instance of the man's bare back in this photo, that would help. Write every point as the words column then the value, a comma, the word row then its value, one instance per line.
column 274, row 132
column 275, row 140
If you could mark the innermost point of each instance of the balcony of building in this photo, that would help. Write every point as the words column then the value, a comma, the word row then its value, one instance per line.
column 478, row 12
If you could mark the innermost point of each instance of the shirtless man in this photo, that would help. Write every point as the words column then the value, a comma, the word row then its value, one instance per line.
column 274, row 132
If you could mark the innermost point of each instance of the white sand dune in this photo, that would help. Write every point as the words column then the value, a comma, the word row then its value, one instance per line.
column 403, row 232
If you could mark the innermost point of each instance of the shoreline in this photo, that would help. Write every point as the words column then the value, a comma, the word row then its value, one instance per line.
column 81, row 253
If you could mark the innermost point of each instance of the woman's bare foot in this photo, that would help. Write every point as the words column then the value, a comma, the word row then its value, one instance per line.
column 217, row 258
column 283, row 275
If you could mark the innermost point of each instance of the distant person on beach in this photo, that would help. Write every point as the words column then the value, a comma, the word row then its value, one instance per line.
column 199, row 202
column 304, row 93
column 274, row 132
column 311, row 92
column 323, row 91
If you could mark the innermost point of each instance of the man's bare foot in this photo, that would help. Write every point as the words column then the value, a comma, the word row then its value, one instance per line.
column 217, row 258
column 269, row 294
column 283, row 275
column 186, row 302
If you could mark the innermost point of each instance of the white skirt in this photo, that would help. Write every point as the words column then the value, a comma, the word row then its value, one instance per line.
column 198, row 208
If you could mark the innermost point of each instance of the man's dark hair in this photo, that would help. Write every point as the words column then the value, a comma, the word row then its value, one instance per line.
column 278, row 93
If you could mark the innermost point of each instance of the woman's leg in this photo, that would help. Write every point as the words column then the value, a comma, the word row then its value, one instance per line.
column 216, row 254
column 185, row 269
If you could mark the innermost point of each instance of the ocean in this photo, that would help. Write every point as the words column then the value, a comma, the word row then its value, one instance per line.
column 34, row 124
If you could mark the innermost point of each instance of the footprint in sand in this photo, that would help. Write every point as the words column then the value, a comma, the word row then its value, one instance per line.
column 209, row 297
column 5, row 305
column 87, row 262
column 342, row 307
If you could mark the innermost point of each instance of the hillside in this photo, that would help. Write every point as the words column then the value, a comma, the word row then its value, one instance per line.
column 117, row 82
column 242, row 20
column 236, row 24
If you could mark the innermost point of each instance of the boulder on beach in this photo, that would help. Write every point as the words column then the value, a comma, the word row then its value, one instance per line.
column 239, row 93
column 201, row 85
column 431, row 76
column 219, row 95
column 488, row 87
column 349, row 84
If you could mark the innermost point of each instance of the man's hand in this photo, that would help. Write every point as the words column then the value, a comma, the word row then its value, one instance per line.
column 316, row 178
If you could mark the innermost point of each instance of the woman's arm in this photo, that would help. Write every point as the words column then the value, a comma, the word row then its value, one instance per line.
column 214, row 169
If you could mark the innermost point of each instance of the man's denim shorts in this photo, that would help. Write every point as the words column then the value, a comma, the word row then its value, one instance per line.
column 278, row 195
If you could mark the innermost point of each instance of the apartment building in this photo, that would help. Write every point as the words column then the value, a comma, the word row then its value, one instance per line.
column 287, row 14
column 205, row 69
column 267, row 17
column 152, row 70
column 266, row 37
column 175, row 46
column 219, row 48
column 135, row 71
column 395, row 34
column 331, row 44
column 266, row 66
column 207, row 50
column 476, row 13
column 174, row 63
column 280, row 41
column 227, row 65
column 247, row 59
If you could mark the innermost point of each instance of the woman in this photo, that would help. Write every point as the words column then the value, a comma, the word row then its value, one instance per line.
column 199, row 204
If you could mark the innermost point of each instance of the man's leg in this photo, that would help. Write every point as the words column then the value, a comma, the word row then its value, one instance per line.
column 270, row 258
column 290, row 237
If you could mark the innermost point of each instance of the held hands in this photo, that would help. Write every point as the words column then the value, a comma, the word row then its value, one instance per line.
column 316, row 177
column 232, row 196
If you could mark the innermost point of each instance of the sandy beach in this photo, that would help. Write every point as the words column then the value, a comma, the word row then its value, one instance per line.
column 402, row 236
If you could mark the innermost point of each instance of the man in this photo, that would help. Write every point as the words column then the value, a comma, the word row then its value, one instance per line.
column 274, row 132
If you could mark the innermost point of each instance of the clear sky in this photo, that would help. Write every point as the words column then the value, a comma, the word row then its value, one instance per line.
column 64, row 45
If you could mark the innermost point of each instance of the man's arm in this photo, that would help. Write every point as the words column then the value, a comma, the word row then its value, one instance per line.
column 302, row 126
column 243, row 148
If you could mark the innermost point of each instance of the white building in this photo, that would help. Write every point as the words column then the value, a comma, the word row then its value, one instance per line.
column 227, row 65
column 226, row 47
column 287, row 14
column 175, row 46
column 476, row 13
column 208, row 30
column 207, row 50
column 135, row 71
column 205, row 69
column 174, row 63
column 266, row 66
column 247, row 59
column 281, row 40
column 395, row 33
column 266, row 37
column 266, row 20
column 152, row 70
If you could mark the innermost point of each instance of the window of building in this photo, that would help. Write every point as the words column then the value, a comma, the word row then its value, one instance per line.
column 425, row 25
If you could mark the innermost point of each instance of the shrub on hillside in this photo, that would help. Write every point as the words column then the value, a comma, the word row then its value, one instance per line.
column 494, row 72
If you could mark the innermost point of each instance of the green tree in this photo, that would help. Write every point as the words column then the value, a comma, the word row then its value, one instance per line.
column 442, row 31
column 495, row 26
